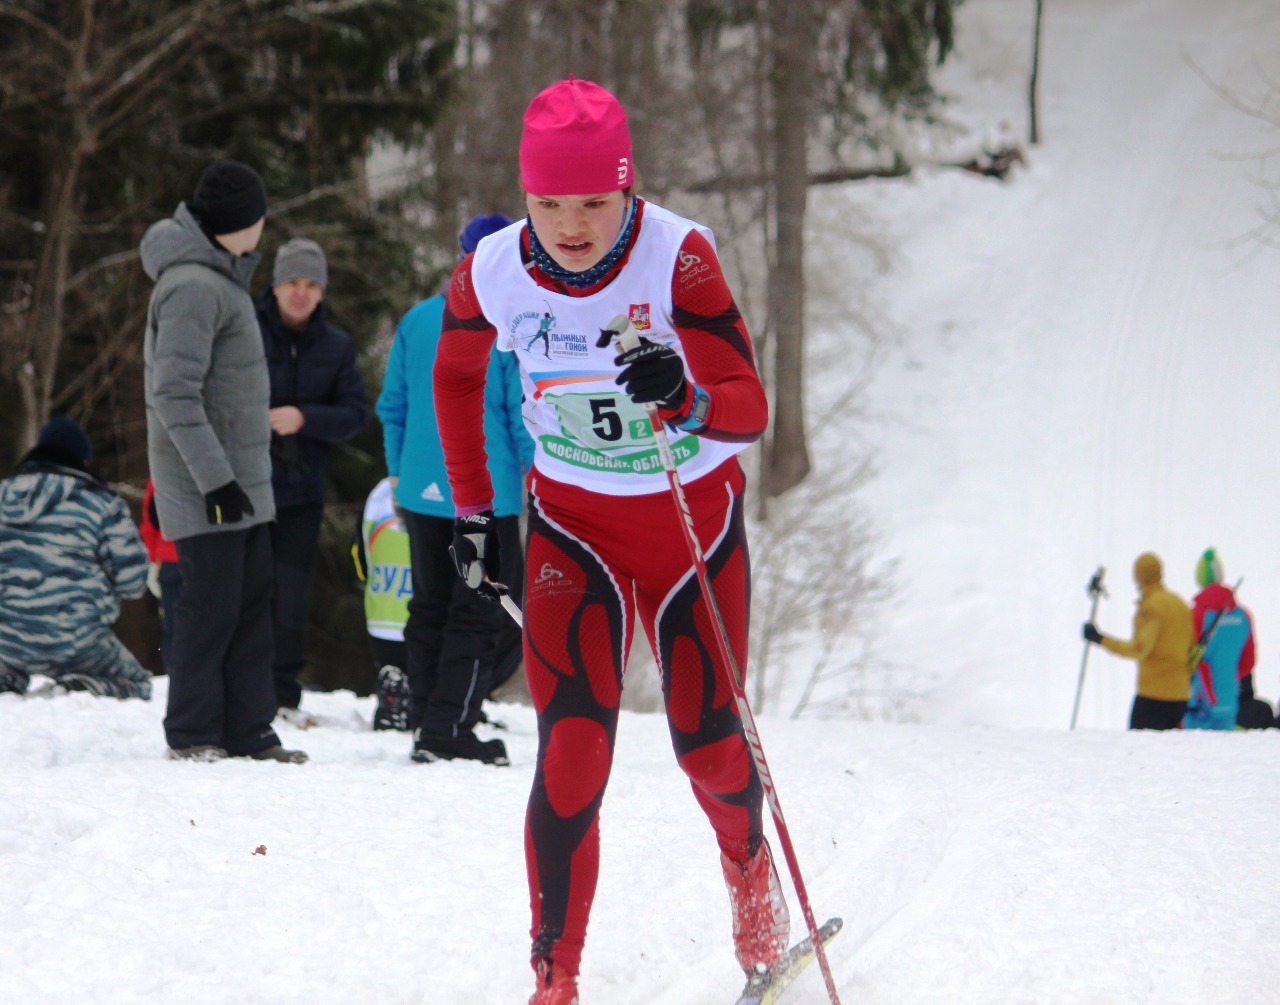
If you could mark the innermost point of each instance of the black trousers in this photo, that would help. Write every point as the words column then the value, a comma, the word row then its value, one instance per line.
column 452, row 635
column 1152, row 713
column 387, row 652
column 294, row 537
column 220, row 682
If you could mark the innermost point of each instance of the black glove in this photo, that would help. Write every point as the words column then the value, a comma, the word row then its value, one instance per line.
column 227, row 504
column 1090, row 633
column 475, row 552
column 652, row 373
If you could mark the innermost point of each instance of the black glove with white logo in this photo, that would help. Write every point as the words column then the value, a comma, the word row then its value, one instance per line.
column 475, row 552
column 652, row 374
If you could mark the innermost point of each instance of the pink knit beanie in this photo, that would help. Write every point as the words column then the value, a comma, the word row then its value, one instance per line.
column 575, row 141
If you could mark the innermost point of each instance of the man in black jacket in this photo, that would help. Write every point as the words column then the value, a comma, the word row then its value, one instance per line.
column 317, row 399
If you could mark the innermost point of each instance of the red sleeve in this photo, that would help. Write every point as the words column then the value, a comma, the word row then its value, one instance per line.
column 466, row 341
column 1199, row 609
column 717, row 348
column 159, row 548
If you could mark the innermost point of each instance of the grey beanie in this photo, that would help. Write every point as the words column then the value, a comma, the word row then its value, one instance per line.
column 301, row 258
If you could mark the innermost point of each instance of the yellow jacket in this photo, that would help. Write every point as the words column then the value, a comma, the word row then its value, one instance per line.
column 1163, row 634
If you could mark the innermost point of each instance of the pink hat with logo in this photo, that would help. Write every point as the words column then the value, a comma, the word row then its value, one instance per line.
column 575, row 141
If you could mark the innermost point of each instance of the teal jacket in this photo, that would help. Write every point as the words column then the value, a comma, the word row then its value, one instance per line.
column 411, row 439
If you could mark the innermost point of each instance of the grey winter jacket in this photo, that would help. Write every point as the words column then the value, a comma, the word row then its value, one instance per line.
column 69, row 551
column 207, row 391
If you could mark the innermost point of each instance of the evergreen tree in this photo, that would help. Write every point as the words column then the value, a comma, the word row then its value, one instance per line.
column 109, row 111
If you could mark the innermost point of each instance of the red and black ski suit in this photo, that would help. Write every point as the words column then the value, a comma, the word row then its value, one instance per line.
column 594, row 563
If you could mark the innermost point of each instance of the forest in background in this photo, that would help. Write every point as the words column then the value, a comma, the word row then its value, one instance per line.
column 380, row 127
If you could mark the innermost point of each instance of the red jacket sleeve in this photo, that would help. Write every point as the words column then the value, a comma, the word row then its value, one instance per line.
column 717, row 348
column 466, row 340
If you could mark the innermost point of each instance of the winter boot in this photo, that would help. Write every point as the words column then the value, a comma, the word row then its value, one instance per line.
column 761, row 924
column 199, row 752
column 465, row 746
column 13, row 681
column 555, row 985
column 278, row 753
column 393, row 699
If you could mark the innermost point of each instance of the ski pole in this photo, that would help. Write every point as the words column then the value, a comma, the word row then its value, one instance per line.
column 510, row 607
column 1096, row 590
column 626, row 338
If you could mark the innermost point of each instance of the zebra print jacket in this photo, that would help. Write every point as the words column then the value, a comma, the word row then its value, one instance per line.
column 69, row 552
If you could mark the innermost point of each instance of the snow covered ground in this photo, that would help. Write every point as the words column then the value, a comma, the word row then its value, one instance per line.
column 1082, row 370
column 971, row 865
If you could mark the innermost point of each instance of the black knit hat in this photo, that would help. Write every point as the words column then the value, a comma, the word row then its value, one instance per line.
column 63, row 435
column 229, row 198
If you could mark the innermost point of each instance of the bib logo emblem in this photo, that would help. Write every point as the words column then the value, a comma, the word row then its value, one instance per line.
column 639, row 315
column 535, row 333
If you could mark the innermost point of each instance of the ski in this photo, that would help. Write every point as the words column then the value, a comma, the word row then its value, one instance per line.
column 768, row 987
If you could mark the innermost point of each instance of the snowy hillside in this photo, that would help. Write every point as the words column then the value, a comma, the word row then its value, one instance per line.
column 1087, row 362
column 1079, row 366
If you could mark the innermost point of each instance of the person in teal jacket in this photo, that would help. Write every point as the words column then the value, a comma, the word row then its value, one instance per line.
column 456, row 643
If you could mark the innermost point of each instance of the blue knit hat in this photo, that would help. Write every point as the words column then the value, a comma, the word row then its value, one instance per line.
column 481, row 227
column 1209, row 568
column 64, row 435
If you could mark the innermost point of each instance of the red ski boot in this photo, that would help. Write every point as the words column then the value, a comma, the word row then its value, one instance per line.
column 761, row 923
column 555, row 985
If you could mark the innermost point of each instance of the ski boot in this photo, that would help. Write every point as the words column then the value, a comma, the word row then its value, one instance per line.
column 555, row 986
column 761, row 923
column 392, row 711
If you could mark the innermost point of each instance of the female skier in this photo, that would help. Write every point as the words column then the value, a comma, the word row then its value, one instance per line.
column 605, row 546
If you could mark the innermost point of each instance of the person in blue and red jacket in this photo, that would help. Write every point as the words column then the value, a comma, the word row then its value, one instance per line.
column 1228, row 657
column 605, row 553
column 458, row 648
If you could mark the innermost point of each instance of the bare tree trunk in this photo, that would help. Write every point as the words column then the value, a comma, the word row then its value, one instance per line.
column 1034, row 87
column 791, row 88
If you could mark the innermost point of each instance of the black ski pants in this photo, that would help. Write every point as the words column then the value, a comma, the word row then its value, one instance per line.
column 452, row 635
column 1152, row 713
column 220, row 683
column 294, row 537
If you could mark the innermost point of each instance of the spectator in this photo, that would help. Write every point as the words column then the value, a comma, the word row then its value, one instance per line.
column 1162, row 640
column 453, row 638
column 163, row 580
column 208, row 442
column 69, row 553
column 317, row 399
column 1222, row 685
column 382, row 564
column 606, row 552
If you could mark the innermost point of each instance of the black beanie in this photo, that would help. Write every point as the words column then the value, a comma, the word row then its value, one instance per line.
column 229, row 198
column 63, row 435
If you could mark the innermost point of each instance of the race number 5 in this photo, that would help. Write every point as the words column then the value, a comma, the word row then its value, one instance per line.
column 605, row 421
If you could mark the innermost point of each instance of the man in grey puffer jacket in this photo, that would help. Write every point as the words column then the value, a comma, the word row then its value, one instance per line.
column 208, row 443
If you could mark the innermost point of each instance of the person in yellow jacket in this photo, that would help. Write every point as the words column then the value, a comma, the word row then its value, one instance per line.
column 1163, row 634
